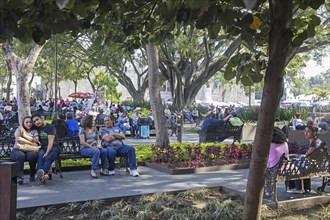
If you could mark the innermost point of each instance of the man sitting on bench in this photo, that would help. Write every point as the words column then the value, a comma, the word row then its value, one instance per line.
column 113, row 141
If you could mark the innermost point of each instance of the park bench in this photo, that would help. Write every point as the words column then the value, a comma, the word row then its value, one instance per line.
column 316, row 164
column 216, row 133
column 69, row 147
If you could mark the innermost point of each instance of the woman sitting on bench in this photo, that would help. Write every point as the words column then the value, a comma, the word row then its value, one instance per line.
column 314, row 142
column 278, row 146
column 91, row 146
column 26, row 147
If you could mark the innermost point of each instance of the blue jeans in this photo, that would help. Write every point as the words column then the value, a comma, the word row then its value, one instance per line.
column 95, row 154
column 121, row 151
column 188, row 117
column 46, row 163
column 123, row 128
column 134, row 130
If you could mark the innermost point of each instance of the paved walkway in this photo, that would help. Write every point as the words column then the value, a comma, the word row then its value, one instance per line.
column 78, row 186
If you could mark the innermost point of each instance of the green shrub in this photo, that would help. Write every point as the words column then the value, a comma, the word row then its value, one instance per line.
column 134, row 104
column 250, row 114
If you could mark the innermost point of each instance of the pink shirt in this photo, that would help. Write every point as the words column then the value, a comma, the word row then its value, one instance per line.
column 275, row 152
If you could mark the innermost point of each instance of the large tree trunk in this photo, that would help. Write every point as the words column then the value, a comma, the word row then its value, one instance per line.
column 279, row 40
column 142, row 84
column 155, row 100
column 21, row 68
column 187, row 78
column 10, row 80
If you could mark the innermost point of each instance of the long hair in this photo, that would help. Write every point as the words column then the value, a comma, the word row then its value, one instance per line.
column 87, row 121
column 27, row 117
column 314, row 129
column 278, row 136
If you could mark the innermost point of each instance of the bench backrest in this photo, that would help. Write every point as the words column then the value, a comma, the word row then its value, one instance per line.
column 216, row 132
column 69, row 145
column 312, row 165
column 6, row 146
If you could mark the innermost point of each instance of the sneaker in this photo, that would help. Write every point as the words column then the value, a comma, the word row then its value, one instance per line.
column 104, row 172
column 308, row 191
column 40, row 174
column 112, row 172
column 295, row 191
column 134, row 173
column 44, row 179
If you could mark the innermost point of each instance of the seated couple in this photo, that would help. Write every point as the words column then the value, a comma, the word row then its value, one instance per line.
column 112, row 139
column 36, row 144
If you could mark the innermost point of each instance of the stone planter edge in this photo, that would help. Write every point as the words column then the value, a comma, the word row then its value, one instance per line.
column 178, row 171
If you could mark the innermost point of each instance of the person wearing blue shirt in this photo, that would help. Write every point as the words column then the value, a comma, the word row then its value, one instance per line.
column 72, row 124
column 211, row 120
column 123, row 121
column 113, row 141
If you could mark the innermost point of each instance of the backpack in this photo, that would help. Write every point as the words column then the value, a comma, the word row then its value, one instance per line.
column 235, row 121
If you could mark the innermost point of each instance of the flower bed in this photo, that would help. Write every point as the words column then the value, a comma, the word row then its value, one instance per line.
column 200, row 157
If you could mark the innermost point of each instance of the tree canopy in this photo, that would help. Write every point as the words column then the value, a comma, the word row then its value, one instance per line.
column 137, row 22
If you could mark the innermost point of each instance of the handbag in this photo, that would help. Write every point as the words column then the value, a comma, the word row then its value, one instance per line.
column 27, row 147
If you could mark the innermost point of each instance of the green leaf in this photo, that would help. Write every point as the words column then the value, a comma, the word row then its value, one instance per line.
column 70, row 4
column 227, row 17
column 194, row 4
column 256, row 77
column 315, row 20
column 28, row 2
column 310, row 31
column 315, row 4
column 246, row 81
column 299, row 40
column 172, row 7
column 234, row 61
column 202, row 22
column 229, row 74
column 214, row 30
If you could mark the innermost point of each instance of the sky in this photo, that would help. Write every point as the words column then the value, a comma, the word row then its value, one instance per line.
column 313, row 69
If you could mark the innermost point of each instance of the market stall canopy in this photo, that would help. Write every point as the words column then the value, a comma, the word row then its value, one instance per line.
column 85, row 95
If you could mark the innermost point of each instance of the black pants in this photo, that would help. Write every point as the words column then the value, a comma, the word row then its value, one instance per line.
column 20, row 156
column 296, row 184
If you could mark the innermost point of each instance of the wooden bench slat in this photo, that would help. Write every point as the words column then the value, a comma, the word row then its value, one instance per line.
column 215, row 133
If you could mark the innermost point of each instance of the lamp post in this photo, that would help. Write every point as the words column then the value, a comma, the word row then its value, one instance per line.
column 55, row 100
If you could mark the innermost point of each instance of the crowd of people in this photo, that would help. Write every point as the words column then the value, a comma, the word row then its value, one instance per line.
column 298, row 123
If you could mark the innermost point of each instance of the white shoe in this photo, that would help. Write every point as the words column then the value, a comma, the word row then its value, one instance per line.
column 112, row 172
column 134, row 173
column 295, row 191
